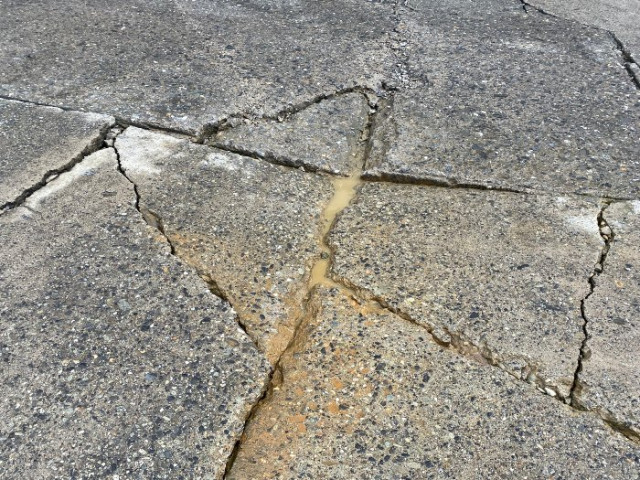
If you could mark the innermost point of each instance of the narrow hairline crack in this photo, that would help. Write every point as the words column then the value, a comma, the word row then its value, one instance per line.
column 93, row 146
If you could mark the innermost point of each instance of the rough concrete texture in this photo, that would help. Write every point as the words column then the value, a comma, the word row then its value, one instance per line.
column 503, row 271
column 507, row 99
column 325, row 136
column 365, row 394
column 610, row 376
column 36, row 142
column 249, row 226
column 117, row 362
column 186, row 64
column 621, row 17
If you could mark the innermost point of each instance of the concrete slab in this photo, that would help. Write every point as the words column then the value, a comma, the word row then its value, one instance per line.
column 622, row 17
column 116, row 360
column 36, row 142
column 365, row 394
column 249, row 227
column 505, row 272
column 325, row 136
column 507, row 99
column 610, row 377
column 186, row 64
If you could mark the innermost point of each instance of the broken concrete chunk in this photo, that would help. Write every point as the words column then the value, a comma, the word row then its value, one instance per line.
column 512, row 100
column 325, row 136
column 610, row 378
column 184, row 65
column 36, row 142
column 505, row 272
column 365, row 394
column 116, row 359
column 249, row 227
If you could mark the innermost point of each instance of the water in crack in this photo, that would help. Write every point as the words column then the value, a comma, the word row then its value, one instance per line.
column 344, row 192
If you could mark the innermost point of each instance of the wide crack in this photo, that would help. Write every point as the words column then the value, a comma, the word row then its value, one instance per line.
column 607, row 237
column 92, row 147
column 345, row 191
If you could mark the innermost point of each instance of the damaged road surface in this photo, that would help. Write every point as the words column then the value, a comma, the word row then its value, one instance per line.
column 319, row 240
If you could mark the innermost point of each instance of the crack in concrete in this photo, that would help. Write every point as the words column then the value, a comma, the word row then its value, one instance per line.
column 345, row 191
column 607, row 237
column 234, row 119
column 628, row 62
column 92, row 147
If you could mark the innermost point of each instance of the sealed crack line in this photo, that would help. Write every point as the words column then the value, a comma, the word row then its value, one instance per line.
column 608, row 236
column 92, row 147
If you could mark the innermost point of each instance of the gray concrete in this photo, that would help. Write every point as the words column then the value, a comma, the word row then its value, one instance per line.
column 610, row 377
column 622, row 17
column 508, row 99
column 503, row 271
column 186, row 64
column 259, row 155
column 374, row 397
column 325, row 136
column 117, row 362
column 249, row 226
column 35, row 142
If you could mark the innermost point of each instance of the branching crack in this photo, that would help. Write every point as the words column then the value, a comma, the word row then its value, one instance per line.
column 95, row 145
column 345, row 190
column 233, row 120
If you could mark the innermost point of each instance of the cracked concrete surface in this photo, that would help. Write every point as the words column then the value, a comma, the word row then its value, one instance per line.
column 40, row 142
column 319, row 239
column 504, row 272
column 610, row 378
column 367, row 395
column 244, row 224
column 117, row 361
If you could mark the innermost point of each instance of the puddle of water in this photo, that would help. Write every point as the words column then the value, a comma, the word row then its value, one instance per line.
column 344, row 189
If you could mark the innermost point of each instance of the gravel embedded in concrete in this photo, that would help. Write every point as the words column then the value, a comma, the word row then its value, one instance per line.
column 117, row 362
column 36, row 141
column 365, row 394
column 247, row 225
column 502, row 98
column 325, row 136
column 610, row 377
column 187, row 64
column 504, row 271
column 621, row 17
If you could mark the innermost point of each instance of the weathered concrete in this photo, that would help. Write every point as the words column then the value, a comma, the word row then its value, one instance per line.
column 187, row 64
column 116, row 360
column 508, row 99
column 622, row 17
column 610, row 377
column 35, row 142
column 325, row 136
column 504, row 271
column 365, row 394
column 248, row 226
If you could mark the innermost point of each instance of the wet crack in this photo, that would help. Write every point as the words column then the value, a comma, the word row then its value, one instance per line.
column 319, row 276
